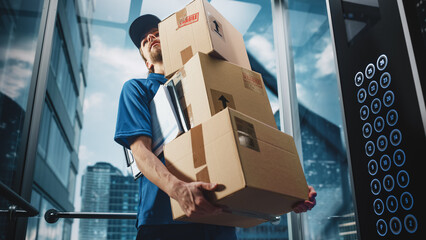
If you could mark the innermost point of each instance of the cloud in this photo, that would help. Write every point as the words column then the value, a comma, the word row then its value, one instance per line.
column 325, row 62
column 116, row 62
column 263, row 50
column 94, row 101
column 84, row 154
column 16, row 73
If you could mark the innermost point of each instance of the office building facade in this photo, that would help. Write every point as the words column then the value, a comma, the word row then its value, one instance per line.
column 105, row 189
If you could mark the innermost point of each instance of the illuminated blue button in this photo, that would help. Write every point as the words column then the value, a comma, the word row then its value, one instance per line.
column 388, row 98
column 369, row 148
column 410, row 223
column 385, row 162
column 362, row 95
column 382, row 227
column 392, row 117
column 399, row 157
column 359, row 79
column 366, row 130
column 375, row 106
column 403, row 179
column 392, row 204
column 395, row 225
column 382, row 143
column 375, row 186
column 388, row 183
column 395, row 137
column 373, row 87
column 378, row 206
column 406, row 201
column 385, row 80
column 369, row 71
column 364, row 112
column 372, row 167
column 382, row 62
column 379, row 124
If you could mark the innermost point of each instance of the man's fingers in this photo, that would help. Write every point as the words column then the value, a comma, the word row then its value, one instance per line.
column 208, row 186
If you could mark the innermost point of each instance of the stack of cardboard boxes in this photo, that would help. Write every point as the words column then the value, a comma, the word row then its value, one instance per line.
column 233, row 139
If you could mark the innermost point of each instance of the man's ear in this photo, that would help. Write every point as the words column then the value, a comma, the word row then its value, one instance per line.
column 149, row 64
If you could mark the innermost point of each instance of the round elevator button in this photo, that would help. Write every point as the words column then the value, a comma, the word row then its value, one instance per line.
column 372, row 167
column 370, row 70
column 395, row 137
column 399, row 157
column 359, row 79
column 382, row 143
column 392, row 117
column 410, row 223
column 375, row 186
column 382, row 62
column 376, row 105
column 406, row 201
column 392, row 204
column 388, row 183
column 385, row 162
column 378, row 206
column 366, row 130
column 373, row 87
column 364, row 112
column 362, row 95
column 379, row 124
column 403, row 179
column 385, row 80
column 369, row 148
column 388, row 98
column 382, row 227
column 395, row 225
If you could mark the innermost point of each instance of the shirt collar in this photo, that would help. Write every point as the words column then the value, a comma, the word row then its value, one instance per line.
column 157, row 77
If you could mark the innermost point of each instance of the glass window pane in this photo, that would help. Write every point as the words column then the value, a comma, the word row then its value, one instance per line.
column 32, row 226
column 19, row 28
column 324, row 155
column 58, row 154
column 44, row 131
column 49, row 231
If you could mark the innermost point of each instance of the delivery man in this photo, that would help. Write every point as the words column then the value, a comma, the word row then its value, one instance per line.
column 133, row 131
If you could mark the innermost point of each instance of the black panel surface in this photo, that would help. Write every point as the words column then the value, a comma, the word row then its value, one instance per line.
column 386, row 137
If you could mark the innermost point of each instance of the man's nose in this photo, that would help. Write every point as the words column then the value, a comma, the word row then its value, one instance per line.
column 151, row 37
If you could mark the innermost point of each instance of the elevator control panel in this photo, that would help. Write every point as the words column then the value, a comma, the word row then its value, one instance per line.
column 384, row 124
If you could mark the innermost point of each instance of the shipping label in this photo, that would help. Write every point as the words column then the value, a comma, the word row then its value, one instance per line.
column 252, row 81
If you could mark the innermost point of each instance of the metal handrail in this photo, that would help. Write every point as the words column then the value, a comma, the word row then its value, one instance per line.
column 9, row 194
column 53, row 215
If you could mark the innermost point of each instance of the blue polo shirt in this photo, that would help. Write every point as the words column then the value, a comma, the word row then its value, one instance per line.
column 134, row 119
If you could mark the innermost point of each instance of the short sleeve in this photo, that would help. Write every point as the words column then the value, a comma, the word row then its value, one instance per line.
column 133, row 117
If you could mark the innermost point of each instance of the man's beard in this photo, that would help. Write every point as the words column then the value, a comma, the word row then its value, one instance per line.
column 156, row 56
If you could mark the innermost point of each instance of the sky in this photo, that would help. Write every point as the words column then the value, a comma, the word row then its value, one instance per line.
column 112, row 62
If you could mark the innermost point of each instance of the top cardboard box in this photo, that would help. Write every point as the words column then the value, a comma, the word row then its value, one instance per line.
column 199, row 28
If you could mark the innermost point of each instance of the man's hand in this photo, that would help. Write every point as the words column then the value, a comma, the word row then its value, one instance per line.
column 306, row 205
column 192, row 200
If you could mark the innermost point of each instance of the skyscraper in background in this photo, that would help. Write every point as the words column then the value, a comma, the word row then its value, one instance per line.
column 105, row 189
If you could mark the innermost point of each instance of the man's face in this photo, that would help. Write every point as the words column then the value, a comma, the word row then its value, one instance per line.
column 151, row 48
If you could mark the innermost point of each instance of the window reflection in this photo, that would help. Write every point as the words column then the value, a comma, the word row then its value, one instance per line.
column 19, row 28
column 324, row 156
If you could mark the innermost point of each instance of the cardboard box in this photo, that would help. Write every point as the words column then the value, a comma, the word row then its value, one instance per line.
column 199, row 28
column 257, row 166
column 206, row 85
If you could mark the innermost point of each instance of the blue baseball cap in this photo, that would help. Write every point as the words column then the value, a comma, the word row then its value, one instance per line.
column 141, row 26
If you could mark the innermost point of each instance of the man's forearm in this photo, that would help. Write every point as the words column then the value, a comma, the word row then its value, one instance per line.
column 152, row 168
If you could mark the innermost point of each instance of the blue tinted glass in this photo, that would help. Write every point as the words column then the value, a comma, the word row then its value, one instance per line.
column 324, row 154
